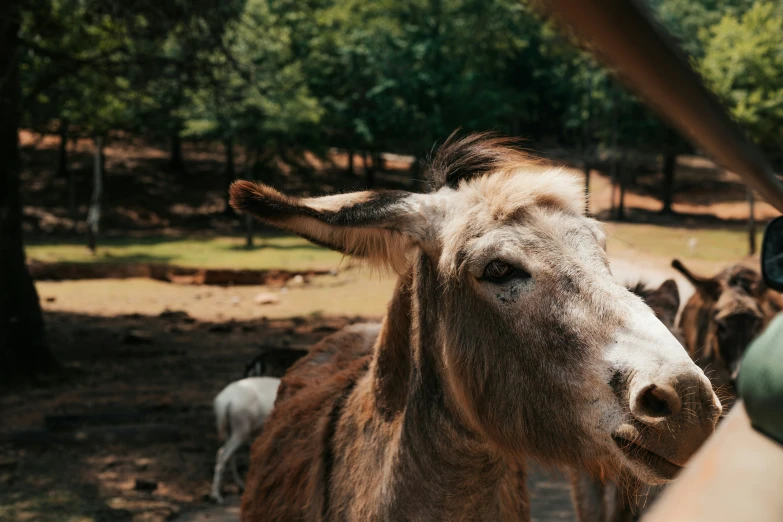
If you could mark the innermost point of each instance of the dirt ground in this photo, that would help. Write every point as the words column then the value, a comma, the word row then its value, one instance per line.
column 139, row 185
column 132, row 402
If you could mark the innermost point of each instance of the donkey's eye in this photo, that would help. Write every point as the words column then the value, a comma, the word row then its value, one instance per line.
column 500, row 272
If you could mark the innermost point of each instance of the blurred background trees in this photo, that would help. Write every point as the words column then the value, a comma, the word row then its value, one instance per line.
column 368, row 77
column 273, row 79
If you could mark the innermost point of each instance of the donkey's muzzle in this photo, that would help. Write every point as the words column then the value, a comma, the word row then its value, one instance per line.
column 675, row 411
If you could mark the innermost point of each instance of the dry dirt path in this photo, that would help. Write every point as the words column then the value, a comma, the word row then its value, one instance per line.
column 350, row 293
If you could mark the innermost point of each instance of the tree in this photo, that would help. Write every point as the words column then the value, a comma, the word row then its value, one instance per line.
column 23, row 346
column 742, row 63
column 669, row 166
column 688, row 19
column 254, row 94
column 78, row 55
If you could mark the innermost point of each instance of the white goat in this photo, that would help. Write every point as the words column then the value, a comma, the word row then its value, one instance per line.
column 240, row 409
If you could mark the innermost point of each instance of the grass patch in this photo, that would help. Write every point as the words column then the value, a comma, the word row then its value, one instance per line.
column 286, row 252
column 294, row 253
column 718, row 245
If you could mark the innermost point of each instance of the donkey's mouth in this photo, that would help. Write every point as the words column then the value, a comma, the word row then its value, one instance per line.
column 660, row 466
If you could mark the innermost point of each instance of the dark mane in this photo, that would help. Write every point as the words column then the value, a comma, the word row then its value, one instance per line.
column 472, row 156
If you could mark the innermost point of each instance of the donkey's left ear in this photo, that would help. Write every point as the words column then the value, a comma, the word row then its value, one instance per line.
column 379, row 226
column 665, row 302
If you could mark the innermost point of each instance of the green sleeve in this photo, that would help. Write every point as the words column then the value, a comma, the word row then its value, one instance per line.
column 760, row 382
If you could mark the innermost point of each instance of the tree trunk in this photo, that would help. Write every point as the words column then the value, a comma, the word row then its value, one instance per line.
column 230, row 172
column 612, row 204
column 416, row 181
column 249, row 175
column 94, row 214
column 669, row 167
column 623, row 180
column 621, row 203
column 350, row 169
column 751, row 222
column 369, row 172
column 62, row 164
column 177, row 163
column 23, row 347
column 377, row 162
column 72, row 211
column 228, row 144
column 587, row 187
column 615, row 161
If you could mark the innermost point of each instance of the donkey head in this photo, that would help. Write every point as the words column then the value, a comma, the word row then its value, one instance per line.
column 534, row 347
column 664, row 301
column 731, row 313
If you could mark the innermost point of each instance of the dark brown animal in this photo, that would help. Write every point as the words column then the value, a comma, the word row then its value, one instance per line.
column 273, row 362
column 722, row 317
column 506, row 339
column 624, row 499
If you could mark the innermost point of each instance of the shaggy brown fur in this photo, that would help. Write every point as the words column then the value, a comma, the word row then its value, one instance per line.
column 431, row 415
column 722, row 317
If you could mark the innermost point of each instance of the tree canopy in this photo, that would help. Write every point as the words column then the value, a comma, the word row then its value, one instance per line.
column 743, row 63
column 385, row 75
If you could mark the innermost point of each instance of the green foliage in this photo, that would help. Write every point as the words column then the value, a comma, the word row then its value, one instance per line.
column 688, row 19
column 393, row 75
column 254, row 89
column 743, row 64
column 398, row 75
column 56, row 84
column 110, row 65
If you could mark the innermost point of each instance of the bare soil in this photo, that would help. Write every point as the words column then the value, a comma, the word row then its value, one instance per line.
column 143, row 197
column 131, row 402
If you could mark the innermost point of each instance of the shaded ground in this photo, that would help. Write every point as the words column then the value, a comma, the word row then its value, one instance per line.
column 142, row 196
column 132, row 402
column 704, row 194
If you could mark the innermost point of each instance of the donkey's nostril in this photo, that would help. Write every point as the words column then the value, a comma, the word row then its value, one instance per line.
column 656, row 402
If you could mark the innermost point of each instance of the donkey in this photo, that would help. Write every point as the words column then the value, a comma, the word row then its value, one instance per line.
column 506, row 338
column 273, row 362
column 722, row 317
column 240, row 411
column 623, row 500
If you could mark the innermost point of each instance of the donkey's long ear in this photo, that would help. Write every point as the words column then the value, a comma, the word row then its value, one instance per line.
column 706, row 286
column 381, row 227
column 665, row 301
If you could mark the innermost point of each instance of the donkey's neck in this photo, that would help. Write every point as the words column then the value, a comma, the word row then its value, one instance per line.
column 443, row 470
